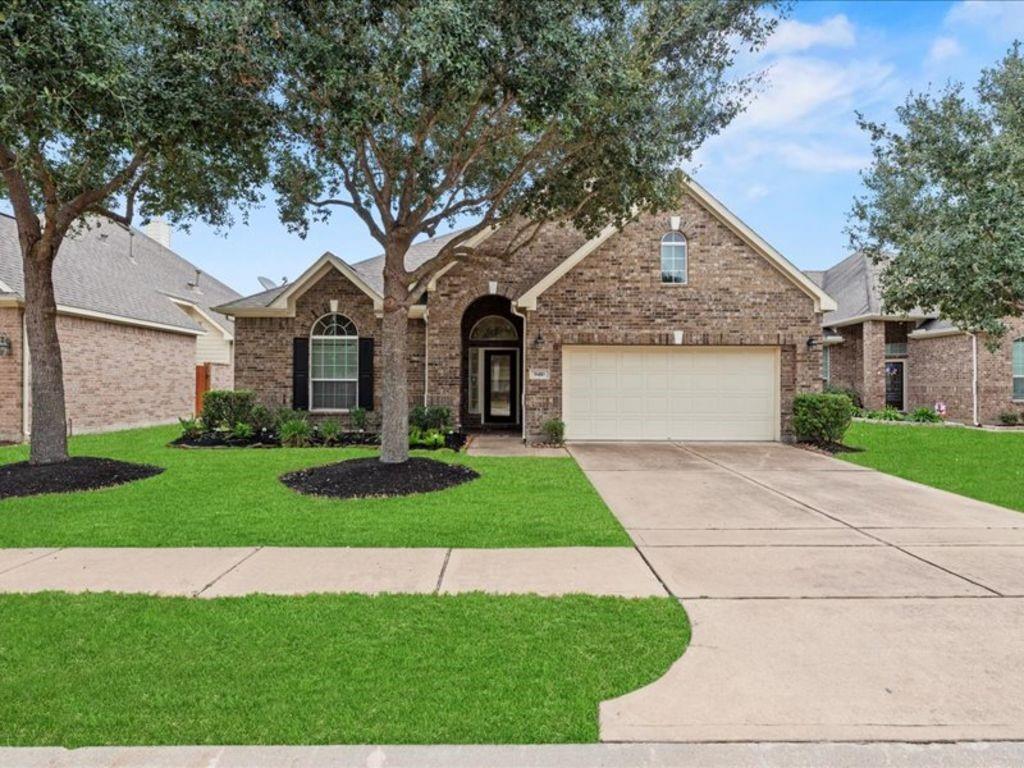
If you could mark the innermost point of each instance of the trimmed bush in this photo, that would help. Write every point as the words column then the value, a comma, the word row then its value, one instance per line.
column 886, row 414
column 226, row 407
column 925, row 415
column 822, row 418
column 553, row 431
column 851, row 393
column 429, row 417
column 358, row 418
column 1009, row 418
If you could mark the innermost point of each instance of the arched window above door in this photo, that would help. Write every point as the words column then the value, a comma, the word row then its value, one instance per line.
column 493, row 328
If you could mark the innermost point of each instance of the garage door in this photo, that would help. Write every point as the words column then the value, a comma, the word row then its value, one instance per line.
column 670, row 393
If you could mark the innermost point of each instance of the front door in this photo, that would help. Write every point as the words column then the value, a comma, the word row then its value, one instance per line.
column 500, row 386
column 894, row 378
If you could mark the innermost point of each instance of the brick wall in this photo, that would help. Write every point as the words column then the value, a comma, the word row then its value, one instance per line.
column 118, row 376
column 615, row 296
column 263, row 345
column 995, row 375
column 11, row 375
column 939, row 369
column 222, row 376
column 873, row 364
column 846, row 358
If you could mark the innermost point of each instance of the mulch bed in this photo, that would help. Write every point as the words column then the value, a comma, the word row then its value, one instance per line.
column 359, row 478
column 77, row 474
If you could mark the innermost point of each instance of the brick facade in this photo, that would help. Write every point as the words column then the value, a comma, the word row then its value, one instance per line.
column 11, row 375
column 939, row 369
column 995, row 375
column 733, row 297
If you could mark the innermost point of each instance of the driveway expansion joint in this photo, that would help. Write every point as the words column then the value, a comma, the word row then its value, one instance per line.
column 226, row 572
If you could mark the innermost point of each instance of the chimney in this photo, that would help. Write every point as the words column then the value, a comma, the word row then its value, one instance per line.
column 158, row 229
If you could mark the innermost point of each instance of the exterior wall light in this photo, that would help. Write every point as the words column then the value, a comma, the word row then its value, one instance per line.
column 5, row 345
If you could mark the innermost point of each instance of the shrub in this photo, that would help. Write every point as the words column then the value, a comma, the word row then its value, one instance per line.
column 886, row 414
column 431, row 417
column 851, row 393
column 191, row 429
column 330, row 431
column 263, row 420
column 294, row 432
column 822, row 418
column 227, row 407
column 925, row 415
column 242, row 430
column 426, row 438
column 358, row 417
column 1009, row 418
column 554, row 431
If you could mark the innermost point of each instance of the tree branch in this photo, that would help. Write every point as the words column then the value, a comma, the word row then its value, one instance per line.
column 88, row 199
column 21, row 201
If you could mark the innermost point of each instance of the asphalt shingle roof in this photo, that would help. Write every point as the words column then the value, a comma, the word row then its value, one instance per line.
column 110, row 269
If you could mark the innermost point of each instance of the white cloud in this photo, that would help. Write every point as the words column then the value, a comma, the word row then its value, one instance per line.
column 792, row 35
column 757, row 191
column 999, row 19
column 942, row 49
column 822, row 158
column 796, row 87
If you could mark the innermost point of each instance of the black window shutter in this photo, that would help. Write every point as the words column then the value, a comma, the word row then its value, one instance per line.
column 366, row 373
column 300, row 373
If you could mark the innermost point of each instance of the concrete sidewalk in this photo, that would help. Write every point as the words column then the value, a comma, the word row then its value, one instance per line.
column 227, row 572
column 750, row 755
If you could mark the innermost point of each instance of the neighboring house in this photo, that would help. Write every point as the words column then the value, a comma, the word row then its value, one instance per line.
column 682, row 326
column 915, row 360
column 135, row 327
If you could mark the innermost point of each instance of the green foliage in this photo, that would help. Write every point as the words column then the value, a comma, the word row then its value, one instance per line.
column 242, row 430
column 925, row 415
column 330, row 431
column 850, row 392
column 945, row 192
column 426, row 438
column 886, row 414
column 822, row 418
column 191, row 428
column 294, row 432
column 227, row 407
column 358, row 418
column 437, row 417
column 554, row 431
column 262, row 419
column 1009, row 418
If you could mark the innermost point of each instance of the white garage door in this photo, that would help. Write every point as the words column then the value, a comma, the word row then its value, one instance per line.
column 670, row 393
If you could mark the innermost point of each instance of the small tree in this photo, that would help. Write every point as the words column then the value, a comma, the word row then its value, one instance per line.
column 107, row 106
column 944, row 200
column 413, row 114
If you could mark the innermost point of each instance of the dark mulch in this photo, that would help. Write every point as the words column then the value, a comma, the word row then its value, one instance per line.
column 358, row 478
column 830, row 449
column 78, row 474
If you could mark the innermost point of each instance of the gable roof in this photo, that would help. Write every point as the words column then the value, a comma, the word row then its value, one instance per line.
column 112, row 273
column 822, row 301
column 854, row 284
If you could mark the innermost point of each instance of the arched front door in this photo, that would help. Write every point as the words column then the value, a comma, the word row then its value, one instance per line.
column 492, row 364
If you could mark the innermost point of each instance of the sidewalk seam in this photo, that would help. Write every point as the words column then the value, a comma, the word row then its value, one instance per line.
column 225, row 573
column 444, row 569
column 33, row 560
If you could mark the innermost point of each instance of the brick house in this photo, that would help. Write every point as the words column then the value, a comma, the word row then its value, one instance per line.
column 685, row 325
column 135, row 325
column 915, row 360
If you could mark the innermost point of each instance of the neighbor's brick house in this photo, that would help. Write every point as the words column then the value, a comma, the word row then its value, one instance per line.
column 916, row 360
column 682, row 325
column 134, row 322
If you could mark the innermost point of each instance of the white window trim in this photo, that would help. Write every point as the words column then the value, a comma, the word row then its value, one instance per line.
column 826, row 365
column 312, row 340
column 686, row 258
column 1015, row 376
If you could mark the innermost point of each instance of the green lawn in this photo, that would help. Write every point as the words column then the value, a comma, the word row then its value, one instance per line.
column 988, row 466
column 232, row 497
column 324, row 669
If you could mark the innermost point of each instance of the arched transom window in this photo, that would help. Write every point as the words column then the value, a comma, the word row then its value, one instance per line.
column 673, row 258
column 334, row 364
column 493, row 328
column 1018, row 369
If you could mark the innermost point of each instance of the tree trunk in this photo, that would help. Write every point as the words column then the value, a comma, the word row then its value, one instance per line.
column 49, row 425
column 394, row 442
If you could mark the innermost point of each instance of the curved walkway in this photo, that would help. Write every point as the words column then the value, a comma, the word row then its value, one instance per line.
column 829, row 602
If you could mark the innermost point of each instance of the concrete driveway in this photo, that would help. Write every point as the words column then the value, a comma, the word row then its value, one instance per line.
column 828, row 602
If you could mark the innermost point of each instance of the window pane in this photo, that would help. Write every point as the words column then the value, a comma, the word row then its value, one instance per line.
column 335, row 359
column 334, row 395
column 473, row 380
column 1018, row 357
column 673, row 258
column 333, row 325
column 826, row 363
column 1018, row 387
column 494, row 328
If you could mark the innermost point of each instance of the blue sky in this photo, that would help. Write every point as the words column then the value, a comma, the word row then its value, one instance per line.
column 789, row 166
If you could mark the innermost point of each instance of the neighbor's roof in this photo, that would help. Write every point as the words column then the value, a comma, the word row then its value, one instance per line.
column 853, row 283
column 370, row 270
column 110, row 270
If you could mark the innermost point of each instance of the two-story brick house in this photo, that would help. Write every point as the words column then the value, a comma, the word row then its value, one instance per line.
column 915, row 360
column 685, row 325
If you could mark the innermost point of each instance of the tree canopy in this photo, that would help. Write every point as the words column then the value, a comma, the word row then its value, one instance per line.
column 945, row 194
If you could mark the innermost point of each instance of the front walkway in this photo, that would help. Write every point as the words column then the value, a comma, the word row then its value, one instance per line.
column 828, row 602
column 230, row 571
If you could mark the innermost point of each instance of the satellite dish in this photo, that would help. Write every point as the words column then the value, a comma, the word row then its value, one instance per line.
column 267, row 283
